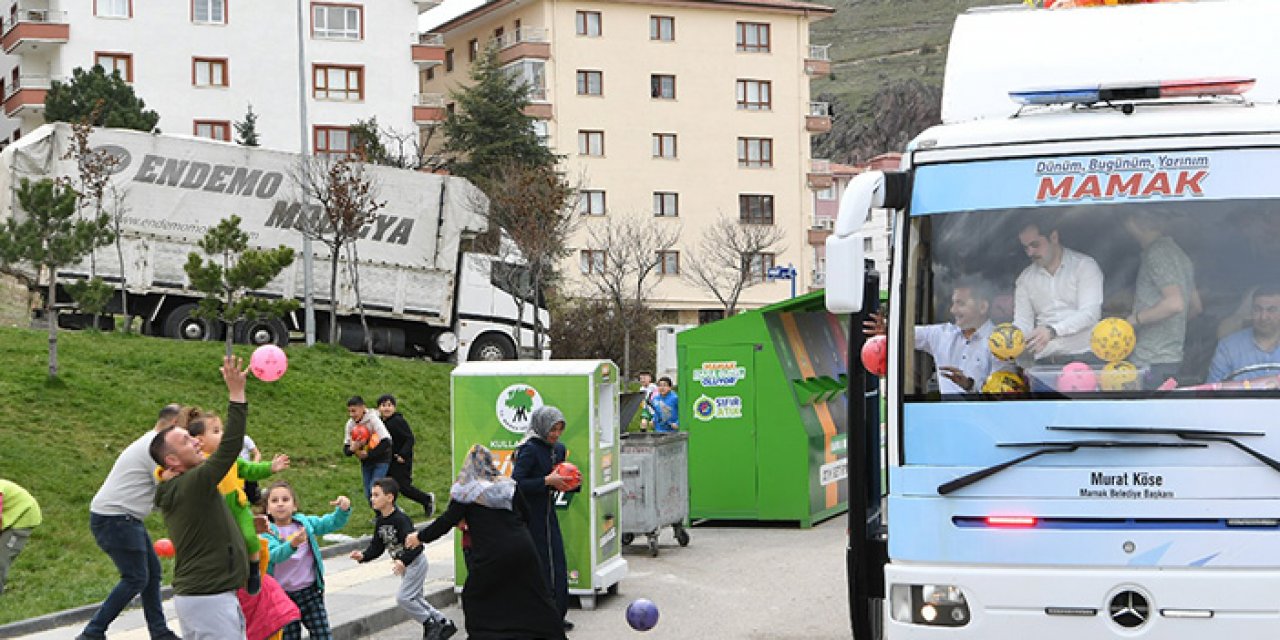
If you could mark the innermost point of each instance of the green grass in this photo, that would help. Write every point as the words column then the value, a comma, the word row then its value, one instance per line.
column 60, row 437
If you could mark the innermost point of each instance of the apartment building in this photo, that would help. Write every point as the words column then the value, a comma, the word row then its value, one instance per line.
column 310, row 69
column 680, row 111
column 826, row 206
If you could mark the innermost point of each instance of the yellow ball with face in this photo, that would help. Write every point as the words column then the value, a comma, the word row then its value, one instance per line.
column 1004, row 382
column 1113, row 339
column 1120, row 375
column 1006, row 341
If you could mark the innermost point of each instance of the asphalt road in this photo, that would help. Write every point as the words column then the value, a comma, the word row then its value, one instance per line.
column 733, row 581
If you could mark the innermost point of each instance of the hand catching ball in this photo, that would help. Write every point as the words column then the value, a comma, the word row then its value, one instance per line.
column 570, row 472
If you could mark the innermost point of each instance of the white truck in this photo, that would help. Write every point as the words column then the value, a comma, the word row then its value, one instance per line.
column 1097, row 485
column 422, row 294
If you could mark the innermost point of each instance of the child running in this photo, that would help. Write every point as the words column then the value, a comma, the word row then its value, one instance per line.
column 207, row 428
column 294, row 555
column 390, row 531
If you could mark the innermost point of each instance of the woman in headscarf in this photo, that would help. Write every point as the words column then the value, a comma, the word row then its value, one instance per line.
column 537, row 455
column 505, row 595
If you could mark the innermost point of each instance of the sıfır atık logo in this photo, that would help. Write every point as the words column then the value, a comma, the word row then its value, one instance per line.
column 516, row 405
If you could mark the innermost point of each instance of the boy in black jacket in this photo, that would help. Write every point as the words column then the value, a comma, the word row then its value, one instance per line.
column 390, row 530
column 402, row 439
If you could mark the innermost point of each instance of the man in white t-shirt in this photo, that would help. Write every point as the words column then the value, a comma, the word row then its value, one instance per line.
column 115, row 518
column 1057, row 298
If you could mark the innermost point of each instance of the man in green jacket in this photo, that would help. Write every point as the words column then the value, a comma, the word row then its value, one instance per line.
column 210, row 554
column 21, row 514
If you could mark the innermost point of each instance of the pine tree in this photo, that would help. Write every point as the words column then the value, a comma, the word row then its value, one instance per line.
column 247, row 129
column 232, row 271
column 488, row 127
column 78, row 100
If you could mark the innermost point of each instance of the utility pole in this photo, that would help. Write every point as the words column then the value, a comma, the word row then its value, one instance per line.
column 309, row 307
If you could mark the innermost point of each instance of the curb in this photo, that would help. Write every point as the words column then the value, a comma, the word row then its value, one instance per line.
column 390, row 616
column 83, row 614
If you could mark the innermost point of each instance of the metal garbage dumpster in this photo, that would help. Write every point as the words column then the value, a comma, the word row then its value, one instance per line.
column 655, row 486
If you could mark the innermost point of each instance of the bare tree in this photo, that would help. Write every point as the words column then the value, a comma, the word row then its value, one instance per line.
column 730, row 258
column 346, row 201
column 535, row 207
column 394, row 148
column 94, row 169
column 634, row 247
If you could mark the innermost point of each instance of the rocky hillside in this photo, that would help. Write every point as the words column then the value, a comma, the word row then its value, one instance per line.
column 880, row 47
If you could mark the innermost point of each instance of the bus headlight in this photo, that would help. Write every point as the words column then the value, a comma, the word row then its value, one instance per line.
column 939, row 605
column 447, row 342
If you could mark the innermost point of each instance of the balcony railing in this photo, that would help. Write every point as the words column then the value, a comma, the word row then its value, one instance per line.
column 42, row 16
column 434, row 39
column 819, row 278
column 824, row 223
column 819, row 166
column 822, row 109
column 28, row 81
column 429, row 100
column 819, row 52
column 522, row 35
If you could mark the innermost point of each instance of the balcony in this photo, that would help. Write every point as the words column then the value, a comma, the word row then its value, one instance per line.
column 818, row 62
column 28, row 30
column 818, row 120
column 820, row 229
column 428, row 49
column 818, row 278
column 26, row 96
column 525, row 42
column 424, row 6
column 819, row 175
column 429, row 108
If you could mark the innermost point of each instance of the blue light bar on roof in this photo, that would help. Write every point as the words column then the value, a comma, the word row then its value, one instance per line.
column 1075, row 95
column 1196, row 87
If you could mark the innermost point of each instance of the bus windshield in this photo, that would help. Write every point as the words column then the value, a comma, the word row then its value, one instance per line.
column 1093, row 300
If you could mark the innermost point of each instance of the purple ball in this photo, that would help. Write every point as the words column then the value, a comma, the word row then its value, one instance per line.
column 642, row 614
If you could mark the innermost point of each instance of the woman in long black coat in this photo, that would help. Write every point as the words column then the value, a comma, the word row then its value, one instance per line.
column 505, row 595
column 540, row 452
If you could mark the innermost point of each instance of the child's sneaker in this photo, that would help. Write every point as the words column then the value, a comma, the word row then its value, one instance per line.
column 430, row 505
column 444, row 630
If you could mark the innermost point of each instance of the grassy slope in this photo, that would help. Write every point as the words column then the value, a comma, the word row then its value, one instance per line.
column 877, row 42
column 59, row 439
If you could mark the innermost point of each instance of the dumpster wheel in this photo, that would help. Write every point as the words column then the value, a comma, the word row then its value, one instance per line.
column 682, row 536
column 628, row 538
column 653, row 545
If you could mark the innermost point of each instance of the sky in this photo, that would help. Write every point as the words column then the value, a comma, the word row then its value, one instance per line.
column 448, row 10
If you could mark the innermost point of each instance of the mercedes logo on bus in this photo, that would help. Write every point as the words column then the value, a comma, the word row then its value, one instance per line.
column 1129, row 609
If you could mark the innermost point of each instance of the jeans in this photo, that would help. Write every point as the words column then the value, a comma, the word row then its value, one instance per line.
column 125, row 540
column 372, row 472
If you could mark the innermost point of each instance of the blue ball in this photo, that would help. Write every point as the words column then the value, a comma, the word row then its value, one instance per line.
column 642, row 614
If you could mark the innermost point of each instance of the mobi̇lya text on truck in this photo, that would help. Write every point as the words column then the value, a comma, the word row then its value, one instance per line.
column 422, row 295
column 1083, row 327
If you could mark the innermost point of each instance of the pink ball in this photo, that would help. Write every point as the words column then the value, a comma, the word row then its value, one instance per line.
column 268, row 363
column 1077, row 376
column 1075, row 366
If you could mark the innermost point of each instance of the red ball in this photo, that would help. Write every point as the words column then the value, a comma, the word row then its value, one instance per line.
column 570, row 471
column 359, row 433
column 164, row 548
column 875, row 355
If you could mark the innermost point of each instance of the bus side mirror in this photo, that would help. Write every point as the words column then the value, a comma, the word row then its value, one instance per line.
column 845, row 266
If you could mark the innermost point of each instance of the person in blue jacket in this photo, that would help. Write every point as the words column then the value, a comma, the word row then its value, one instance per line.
column 666, row 407
column 293, row 542
column 535, row 459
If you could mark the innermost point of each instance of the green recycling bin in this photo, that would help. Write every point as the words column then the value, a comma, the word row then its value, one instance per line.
column 492, row 404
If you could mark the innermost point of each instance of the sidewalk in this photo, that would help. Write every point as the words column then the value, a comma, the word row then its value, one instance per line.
column 361, row 599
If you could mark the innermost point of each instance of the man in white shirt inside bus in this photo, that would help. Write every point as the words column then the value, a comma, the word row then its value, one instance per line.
column 1057, row 298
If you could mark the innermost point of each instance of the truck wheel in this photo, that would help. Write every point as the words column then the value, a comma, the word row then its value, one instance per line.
column 260, row 331
column 491, row 348
column 181, row 324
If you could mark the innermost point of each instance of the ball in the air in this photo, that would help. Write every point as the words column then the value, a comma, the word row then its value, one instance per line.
column 642, row 614
column 875, row 355
column 268, row 363
column 1113, row 339
column 1006, row 341
column 1004, row 382
column 164, row 548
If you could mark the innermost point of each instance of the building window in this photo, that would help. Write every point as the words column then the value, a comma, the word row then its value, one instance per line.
column 828, row 193
column 592, row 260
column 590, row 143
column 109, row 8
column 209, row 72
column 213, row 129
column 662, row 86
column 753, row 37
column 534, row 75
column 430, row 74
column 868, row 244
column 755, row 95
column 337, row 21
column 589, row 23
column 755, row 209
column 590, row 83
column 209, row 11
column 664, row 145
column 662, row 28
column 542, row 130
column 497, row 35
column 666, row 204
column 758, row 265
column 114, row 62
column 669, row 263
column 448, row 61
column 473, row 50
column 591, row 202
column 334, row 82
column 755, row 152
column 332, row 141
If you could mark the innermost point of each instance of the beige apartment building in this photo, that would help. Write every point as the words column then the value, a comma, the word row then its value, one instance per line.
column 680, row 111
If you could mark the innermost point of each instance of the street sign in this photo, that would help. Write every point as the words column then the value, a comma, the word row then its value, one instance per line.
column 781, row 273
